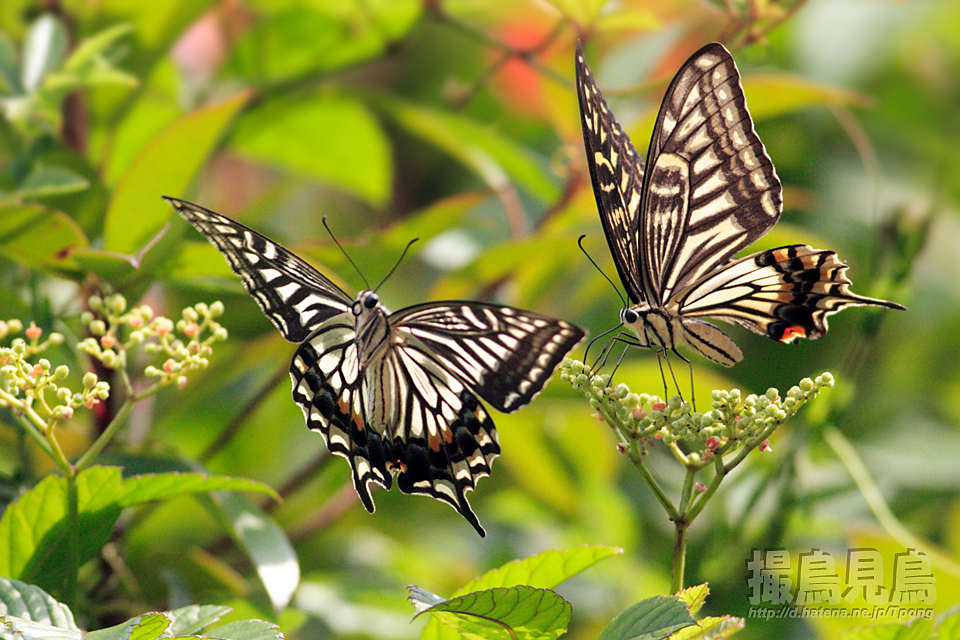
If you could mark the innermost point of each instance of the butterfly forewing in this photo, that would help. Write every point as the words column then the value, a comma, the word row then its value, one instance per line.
column 291, row 293
column 710, row 188
column 616, row 171
column 506, row 355
column 396, row 394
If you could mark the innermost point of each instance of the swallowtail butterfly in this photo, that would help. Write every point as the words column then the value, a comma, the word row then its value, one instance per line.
column 709, row 190
column 395, row 393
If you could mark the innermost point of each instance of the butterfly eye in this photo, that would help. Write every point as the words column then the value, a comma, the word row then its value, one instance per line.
column 371, row 300
column 630, row 316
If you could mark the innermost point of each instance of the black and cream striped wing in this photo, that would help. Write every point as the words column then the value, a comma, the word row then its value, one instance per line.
column 413, row 411
column 503, row 354
column 616, row 171
column 710, row 188
column 293, row 295
column 783, row 293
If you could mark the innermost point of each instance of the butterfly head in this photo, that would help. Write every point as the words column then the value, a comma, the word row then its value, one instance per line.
column 366, row 302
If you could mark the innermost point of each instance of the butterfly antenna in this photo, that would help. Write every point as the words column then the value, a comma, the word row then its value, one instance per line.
column 402, row 256
column 580, row 244
column 343, row 251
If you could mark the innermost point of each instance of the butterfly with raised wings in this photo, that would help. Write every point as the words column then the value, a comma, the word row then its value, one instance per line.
column 709, row 189
column 396, row 394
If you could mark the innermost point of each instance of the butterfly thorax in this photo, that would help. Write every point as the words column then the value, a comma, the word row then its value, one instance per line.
column 370, row 324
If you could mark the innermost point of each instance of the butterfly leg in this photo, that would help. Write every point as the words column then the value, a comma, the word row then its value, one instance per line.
column 693, row 398
column 608, row 331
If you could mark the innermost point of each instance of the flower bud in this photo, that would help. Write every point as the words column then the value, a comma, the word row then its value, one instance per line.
column 216, row 309
column 62, row 372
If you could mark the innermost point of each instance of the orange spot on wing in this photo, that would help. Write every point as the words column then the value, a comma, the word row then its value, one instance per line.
column 792, row 333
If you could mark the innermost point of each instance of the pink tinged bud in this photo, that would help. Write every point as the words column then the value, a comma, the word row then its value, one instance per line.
column 598, row 416
column 713, row 442
column 136, row 322
column 191, row 329
column 108, row 341
column 33, row 331
column 37, row 370
column 639, row 414
column 765, row 445
column 67, row 413
column 90, row 402
column 181, row 382
column 168, row 365
column 660, row 406
column 699, row 487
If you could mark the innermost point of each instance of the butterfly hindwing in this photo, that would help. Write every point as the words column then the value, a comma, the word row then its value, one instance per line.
column 292, row 294
column 783, row 293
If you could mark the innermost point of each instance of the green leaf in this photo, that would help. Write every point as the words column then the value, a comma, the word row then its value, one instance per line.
column 90, row 50
column 493, row 158
column 34, row 530
column 915, row 629
column 710, row 628
column 166, row 165
column 151, row 626
column 773, row 95
column 42, row 239
column 265, row 542
column 9, row 68
column 246, row 630
column 650, row 619
column 30, row 630
column 695, row 596
column 319, row 37
column 145, row 488
column 27, row 602
column 50, row 181
column 43, row 50
column 330, row 137
column 544, row 570
column 507, row 613
column 191, row 619
column 146, row 627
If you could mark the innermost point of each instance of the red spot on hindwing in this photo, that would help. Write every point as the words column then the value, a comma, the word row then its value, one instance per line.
column 792, row 333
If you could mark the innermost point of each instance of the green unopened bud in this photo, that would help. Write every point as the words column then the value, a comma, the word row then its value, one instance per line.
column 19, row 346
column 44, row 364
column 98, row 327
column 64, row 394
column 86, row 317
column 190, row 314
column 220, row 334
column 89, row 380
column 826, row 379
column 772, row 394
column 95, row 303
column 216, row 309
column 62, row 372
column 118, row 304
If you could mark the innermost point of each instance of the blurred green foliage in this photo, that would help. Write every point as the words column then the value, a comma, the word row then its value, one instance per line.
column 455, row 121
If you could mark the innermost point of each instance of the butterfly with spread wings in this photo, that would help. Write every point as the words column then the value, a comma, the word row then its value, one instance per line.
column 395, row 393
column 709, row 189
